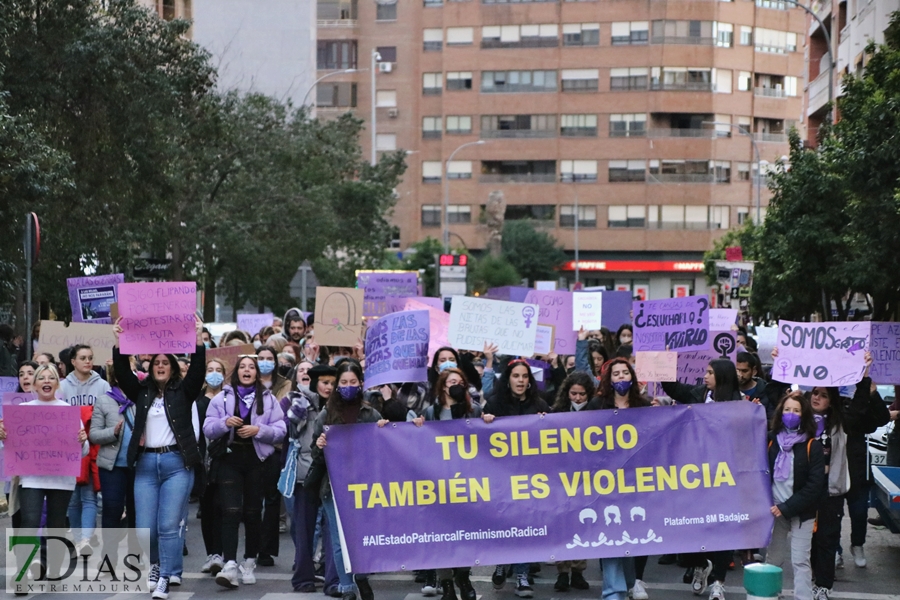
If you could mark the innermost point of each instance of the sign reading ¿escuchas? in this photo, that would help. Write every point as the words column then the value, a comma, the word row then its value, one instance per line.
column 554, row 487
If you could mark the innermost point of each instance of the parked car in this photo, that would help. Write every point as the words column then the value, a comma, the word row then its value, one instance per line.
column 877, row 441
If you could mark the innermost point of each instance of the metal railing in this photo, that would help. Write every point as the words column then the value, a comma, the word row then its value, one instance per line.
column 687, row 40
column 771, row 137
column 544, row 42
column 348, row 23
column 518, row 133
column 687, row 86
column 769, row 92
column 578, row 131
column 517, row 178
column 686, row 133
column 682, row 178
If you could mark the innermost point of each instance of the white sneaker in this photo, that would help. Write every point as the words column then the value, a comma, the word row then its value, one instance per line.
column 153, row 576
column 162, row 589
column 717, row 591
column 838, row 561
column 859, row 556
column 174, row 580
column 701, row 575
column 638, row 592
column 83, row 548
column 523, row 589
column 247, row 567
column 228, row 576
column 820, row 593
column 213, row 564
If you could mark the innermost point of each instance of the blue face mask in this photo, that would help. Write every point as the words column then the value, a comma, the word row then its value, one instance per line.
column 348, row 392
column 622, row 387
column 446, row 365
column 214, row 379
column 206, row 345
column 791, row 421
column 266, row 366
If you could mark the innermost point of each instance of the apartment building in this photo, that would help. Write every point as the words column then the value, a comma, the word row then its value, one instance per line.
column 849, row 25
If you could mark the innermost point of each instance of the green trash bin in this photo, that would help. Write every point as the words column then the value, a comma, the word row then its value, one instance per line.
column 762, row 581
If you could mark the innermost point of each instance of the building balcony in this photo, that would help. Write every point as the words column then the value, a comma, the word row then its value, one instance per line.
column 682, row 178
column 686, row 86
column 706, row 133
column 769, row 92
column 777, row 138
column 518, row 133
column 817, row 92
column 687, row 40
column 517, row 178
column 524, row 43
column 337, row 23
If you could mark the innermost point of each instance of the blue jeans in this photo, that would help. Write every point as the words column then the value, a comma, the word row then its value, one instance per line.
column 615, row 586
column 345, row 580
column 162, row 487
column 118, row 498
column 82, row 512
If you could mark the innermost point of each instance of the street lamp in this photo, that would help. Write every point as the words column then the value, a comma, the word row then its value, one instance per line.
column 326, row 76
column 756, row 150
column 810, row 12
column 446, row 220
column 375, row 58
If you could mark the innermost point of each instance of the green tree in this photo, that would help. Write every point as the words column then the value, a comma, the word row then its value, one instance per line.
column 533, row 253
column 492, row 271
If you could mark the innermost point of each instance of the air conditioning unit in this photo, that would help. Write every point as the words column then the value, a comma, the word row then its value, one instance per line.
column 385, row 67
column 393, row 112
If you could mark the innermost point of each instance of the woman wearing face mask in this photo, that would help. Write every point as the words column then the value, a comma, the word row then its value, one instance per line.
column 625, row 335
column 515, row 394
column 210, row 511
column 251, row 418
column 344, row 406
column 797, row 465
column 164, row 452
column 720, row 384
column 26, row 375
column 34, row 490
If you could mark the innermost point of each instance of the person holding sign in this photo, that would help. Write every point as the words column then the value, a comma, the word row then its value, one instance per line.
column 250, row 416
column 164, row 452
column 34, row 490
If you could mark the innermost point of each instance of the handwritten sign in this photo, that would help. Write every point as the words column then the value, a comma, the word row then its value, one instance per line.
column 229, row 355
column 510, row 325
column 656, row 366
column 16, row 398
column 827, row 354
column 42, row 440
column 555, row 310
column 158, row 317
column 676, row 324
column 722, row 319
column 397, row 348
column 339, row 312
column 587, row 308
column 254, row 323
column 692, row 365
column 56, row 336
column 8, row 384
column 543, row 341
column 91, row 297
column 438, row 323
column 885, row 349
column 378, row 287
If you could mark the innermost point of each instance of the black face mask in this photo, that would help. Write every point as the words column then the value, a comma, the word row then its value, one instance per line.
column 457, row 392
column 284, row 370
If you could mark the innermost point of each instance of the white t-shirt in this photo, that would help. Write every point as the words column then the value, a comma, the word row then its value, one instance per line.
column 51, row 482
column 158, row 433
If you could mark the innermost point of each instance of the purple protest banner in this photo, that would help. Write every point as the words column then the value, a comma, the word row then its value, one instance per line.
column 398, row 303
column 677, row 324
column 91, row 297
column 158, row 317
column 253, row 323
column 42, row 440
column 885, row 349
column 556, row 487
column 397, row 348
column 829, row 354
column 692, row 365
column 16, row 398
column 509, row 293
column 8, row 384
column 555, row 309
column 379, row 286
column 616, row 309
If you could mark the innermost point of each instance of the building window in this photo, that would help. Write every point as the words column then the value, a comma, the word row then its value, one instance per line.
column 743, row 171
column 459, row 80
column 580, row 80
column 724, row 35
column 460, row 36
column 459, row 214
column 628, row 125
column 627, row 216
column 683, row 32
column 746, row 35
column 578, row 171
column 744, row 81
column 432, row 84
column 722, row 170
column 520, row 36
column 719, row 217
column 336, row 95
column 578, row 126
column 388, row 53
column 431, row 215
column 386, row 10
column 432, row 39
column 633, row 78
column 774, row 41
column 521, row 126
column 683, row 171
column 681, row 79
column 385, row 142
column 743, row 215
column 432, row 127
column 587, row 216
column 518, row 171
column 457, row 124
column 627, row 171
column 337, row 10
column 535, row 212
column 431, row 171
column 386, row 98
column 433, row 3
column 581, row 34
column 630, row 32
column 459, row 169
column 336, row 54
column 518, row 81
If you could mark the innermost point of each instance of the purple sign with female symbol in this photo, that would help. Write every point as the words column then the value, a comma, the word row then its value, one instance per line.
column 827, row 354
column 678, row 324
column 512, row 326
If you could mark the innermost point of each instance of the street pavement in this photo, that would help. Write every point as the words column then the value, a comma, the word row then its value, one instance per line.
column 879, row 581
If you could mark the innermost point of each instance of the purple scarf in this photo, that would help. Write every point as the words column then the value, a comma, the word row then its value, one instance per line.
column 117, row 395
column 243, row 393
column 786, row 442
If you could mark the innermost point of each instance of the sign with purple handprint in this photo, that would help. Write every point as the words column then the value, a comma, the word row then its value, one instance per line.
column 512, row 326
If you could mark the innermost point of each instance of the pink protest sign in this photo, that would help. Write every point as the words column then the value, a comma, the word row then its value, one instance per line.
column 16, row 398
column 439, row 322
column 827, row 354
column 42, row 440
column 158, row 317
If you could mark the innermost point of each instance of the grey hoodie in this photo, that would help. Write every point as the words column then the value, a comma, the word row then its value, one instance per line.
column 76, row 393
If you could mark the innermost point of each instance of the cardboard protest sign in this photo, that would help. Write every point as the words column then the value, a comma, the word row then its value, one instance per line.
column 616, row 309
column 555, row 310
column 229, row 355
column 17, row 398
column 438, row 323
column 158, row 317
column 543, row 341
column 338, row 320
column 675, row 324
column 885, row 349
column 512, row 326
column 91, row 297
column 253, row 323
column 722, row 319
column 587, row 309
column 692, row 365
column 8, row 384
column 56, row 336
column 397, row 348
column 42, row 440
column 826, row 354
column 379, row 286
column 656, row 366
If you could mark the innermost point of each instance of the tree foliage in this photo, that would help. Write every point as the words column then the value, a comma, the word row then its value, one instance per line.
column 534, row 254
column 492, row 271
